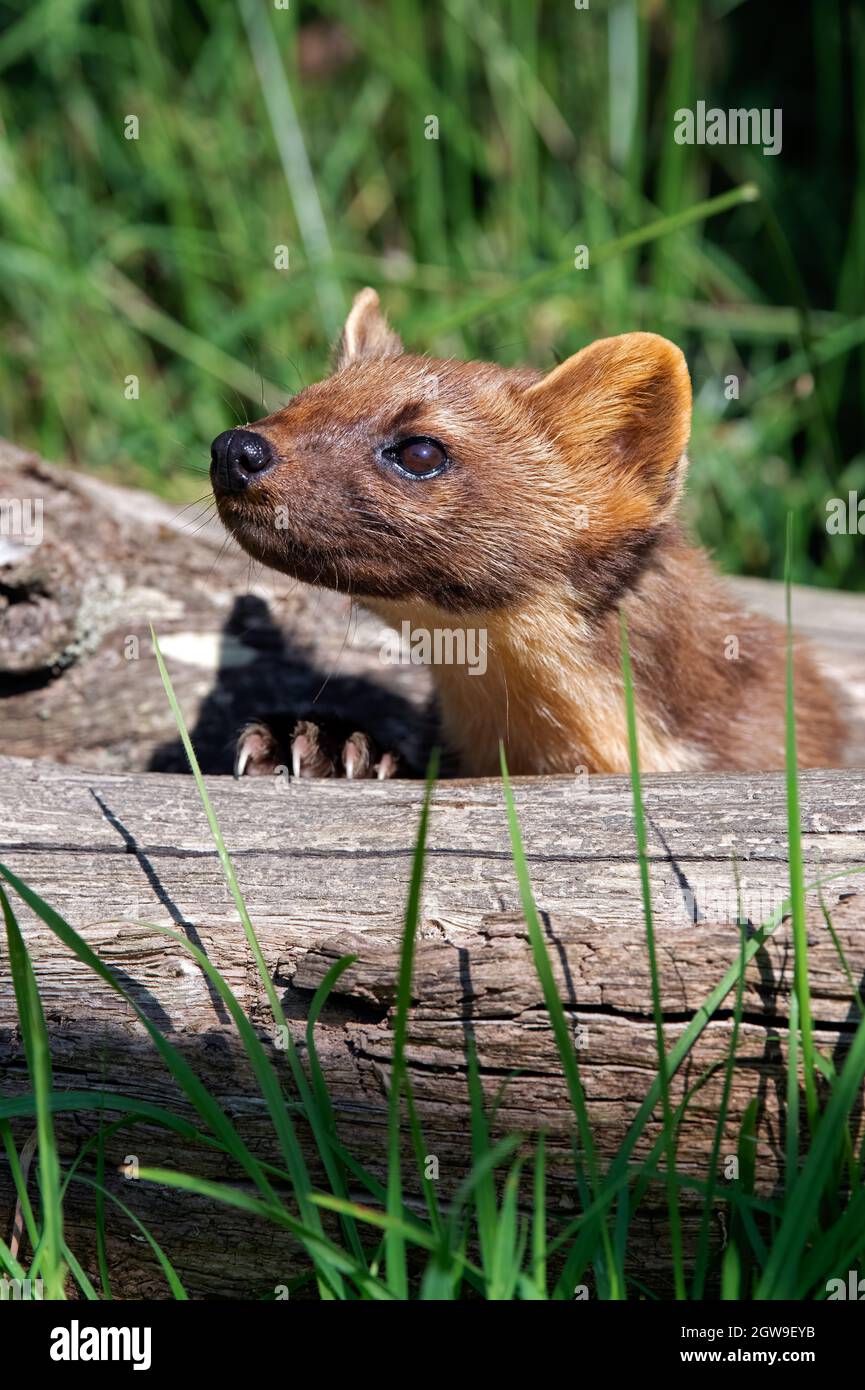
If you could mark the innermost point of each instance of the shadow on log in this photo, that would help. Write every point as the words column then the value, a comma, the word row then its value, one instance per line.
column 78, row 683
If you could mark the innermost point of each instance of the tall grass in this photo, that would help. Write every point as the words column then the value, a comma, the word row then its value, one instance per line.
column 153, row 257
column 645, row 888
column 493, row 1237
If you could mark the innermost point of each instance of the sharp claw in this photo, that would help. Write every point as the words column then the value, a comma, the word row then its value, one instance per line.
column 356, row 756
column 253, row 747
column 312, row 753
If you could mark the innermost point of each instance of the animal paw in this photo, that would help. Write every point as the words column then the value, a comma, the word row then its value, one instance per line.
column 308, row 748
column 258, row 752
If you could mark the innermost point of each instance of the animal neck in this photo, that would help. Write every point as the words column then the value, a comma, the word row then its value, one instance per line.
column 541, row 679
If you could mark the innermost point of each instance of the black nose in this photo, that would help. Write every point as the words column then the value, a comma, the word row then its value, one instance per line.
column 237, row 458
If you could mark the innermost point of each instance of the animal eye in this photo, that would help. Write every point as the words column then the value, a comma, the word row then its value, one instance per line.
column 421, row 457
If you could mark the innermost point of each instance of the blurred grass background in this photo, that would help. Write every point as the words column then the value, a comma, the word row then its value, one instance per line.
column 304, row 127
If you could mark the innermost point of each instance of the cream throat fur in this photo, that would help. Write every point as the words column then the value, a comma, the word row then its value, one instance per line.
column 544, row 692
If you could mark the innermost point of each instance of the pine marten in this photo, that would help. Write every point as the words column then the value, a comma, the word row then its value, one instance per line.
column 532, row 506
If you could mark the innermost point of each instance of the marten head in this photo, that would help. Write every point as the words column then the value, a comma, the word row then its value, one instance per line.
column 460, row 483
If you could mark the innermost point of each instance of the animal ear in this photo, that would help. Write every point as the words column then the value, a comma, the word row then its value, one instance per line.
column 366, row 332
column 620, row 412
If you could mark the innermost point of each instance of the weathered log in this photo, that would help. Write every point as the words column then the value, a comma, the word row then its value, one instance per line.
column 325, row 867
column 77, row 682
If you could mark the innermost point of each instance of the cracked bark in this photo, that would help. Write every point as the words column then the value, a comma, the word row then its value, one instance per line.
column 116, row 853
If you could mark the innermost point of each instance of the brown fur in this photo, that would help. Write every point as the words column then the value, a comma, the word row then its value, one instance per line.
column 557, row 507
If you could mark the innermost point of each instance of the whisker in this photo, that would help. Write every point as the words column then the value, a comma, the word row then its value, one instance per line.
column 205, row 497
column 201, row 522
column 219, row 554
column 239, row 415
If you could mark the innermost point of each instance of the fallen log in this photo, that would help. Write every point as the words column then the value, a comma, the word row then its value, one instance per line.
column 325, row 867
column 117, row 846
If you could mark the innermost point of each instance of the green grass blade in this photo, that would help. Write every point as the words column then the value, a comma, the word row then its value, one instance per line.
column 35, row 1035
column 508, row 1240
column 803, row 1201
column 80, row 1275
column 395, row 1261
column 172, row 1278
column 271, row 1091
column 101, row 1246
column 325, row 1251
column 794, row 845
column 279, row 103
column 224, row 857
column 791, row 1148
column 207, row 1107
column 663, row 1072
column 701, row 1259
column 558, row 1022
column 321, row 1102
column 539, row 1221
column 533, row 286
column 486, row 1213
column 18, row 1181
column 421, row 1153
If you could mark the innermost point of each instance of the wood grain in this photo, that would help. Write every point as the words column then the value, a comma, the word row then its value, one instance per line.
column 324, row 867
